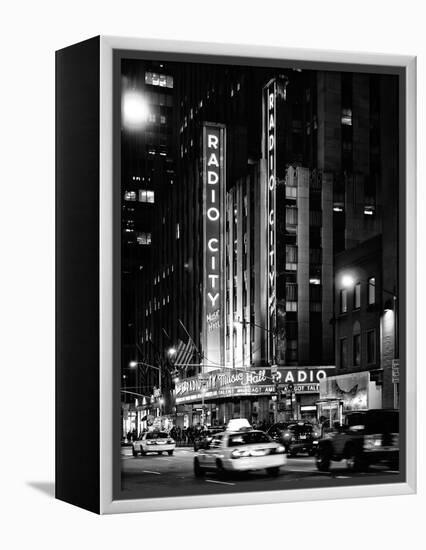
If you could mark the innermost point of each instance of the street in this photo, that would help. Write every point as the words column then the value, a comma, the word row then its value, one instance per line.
column 162, row 475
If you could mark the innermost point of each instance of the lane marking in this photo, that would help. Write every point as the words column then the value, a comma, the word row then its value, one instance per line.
column 392, row 471
column 220, row 482
column 342, row 477
column 151, row 472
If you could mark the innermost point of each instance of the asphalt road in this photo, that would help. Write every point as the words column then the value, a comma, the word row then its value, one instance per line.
column 156, row 476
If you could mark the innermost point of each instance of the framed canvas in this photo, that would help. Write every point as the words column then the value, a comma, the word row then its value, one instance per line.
column 235, row 259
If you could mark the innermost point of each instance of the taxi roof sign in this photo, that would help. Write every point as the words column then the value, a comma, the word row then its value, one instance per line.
column 236, row 424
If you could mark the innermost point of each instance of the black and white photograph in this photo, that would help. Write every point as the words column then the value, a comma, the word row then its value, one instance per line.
column 213, row 266
column 260, row 296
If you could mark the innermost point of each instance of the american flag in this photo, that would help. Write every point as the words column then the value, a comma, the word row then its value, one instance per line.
column 185, row 350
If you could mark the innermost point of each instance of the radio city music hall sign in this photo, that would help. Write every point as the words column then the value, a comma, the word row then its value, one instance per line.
column 251, row 382
column 213, row 194
column 270, row 154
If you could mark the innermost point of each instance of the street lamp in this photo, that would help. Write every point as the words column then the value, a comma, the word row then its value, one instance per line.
column 134, row 364
column 134, row 109
column 348, row 281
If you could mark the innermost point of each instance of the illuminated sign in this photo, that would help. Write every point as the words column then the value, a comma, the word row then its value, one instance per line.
column 354, row 390
column 225, row 384
column 270, row 155
column 253, row 382
column 298, row 375
column 213, row 213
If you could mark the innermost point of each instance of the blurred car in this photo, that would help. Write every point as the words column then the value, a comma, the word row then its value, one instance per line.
column 297, row 437
column 154, row 442
column 204, row 437
column 237, row 451
column 366, row 437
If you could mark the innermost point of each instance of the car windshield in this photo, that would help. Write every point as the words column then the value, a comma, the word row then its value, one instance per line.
column 248, row 438
column 157, row 435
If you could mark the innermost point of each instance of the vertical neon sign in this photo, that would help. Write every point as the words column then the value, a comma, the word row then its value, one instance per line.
column 213, row 214
column 270, row 155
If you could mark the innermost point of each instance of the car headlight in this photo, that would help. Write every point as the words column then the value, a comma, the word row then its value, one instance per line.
column 280, row 449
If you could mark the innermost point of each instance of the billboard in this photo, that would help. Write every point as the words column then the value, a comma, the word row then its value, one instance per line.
column 270, row 92
column 213, row 244
column 355, row 391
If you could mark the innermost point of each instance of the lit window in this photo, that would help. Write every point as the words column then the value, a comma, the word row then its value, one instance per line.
column 357, row 296
column 162, row 119
column 151, row 117
column 343, row 300
column 144, row 238
column 371, row 290
column 347, row 117
column 162, row 80
column 177, row 234
column 315, row 281
column 369, row 210
column 146, row 195
column 338, row 207
column 130, row 195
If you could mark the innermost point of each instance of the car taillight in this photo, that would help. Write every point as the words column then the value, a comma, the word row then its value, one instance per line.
column 238, row 453
column 372, row 441
column 287, row 435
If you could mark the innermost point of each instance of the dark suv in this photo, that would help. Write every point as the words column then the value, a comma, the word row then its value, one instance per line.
column 297, row 437
column 366, row 437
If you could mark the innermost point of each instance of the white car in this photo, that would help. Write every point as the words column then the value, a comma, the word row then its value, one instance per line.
column 237, row 451
column 154, row 442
